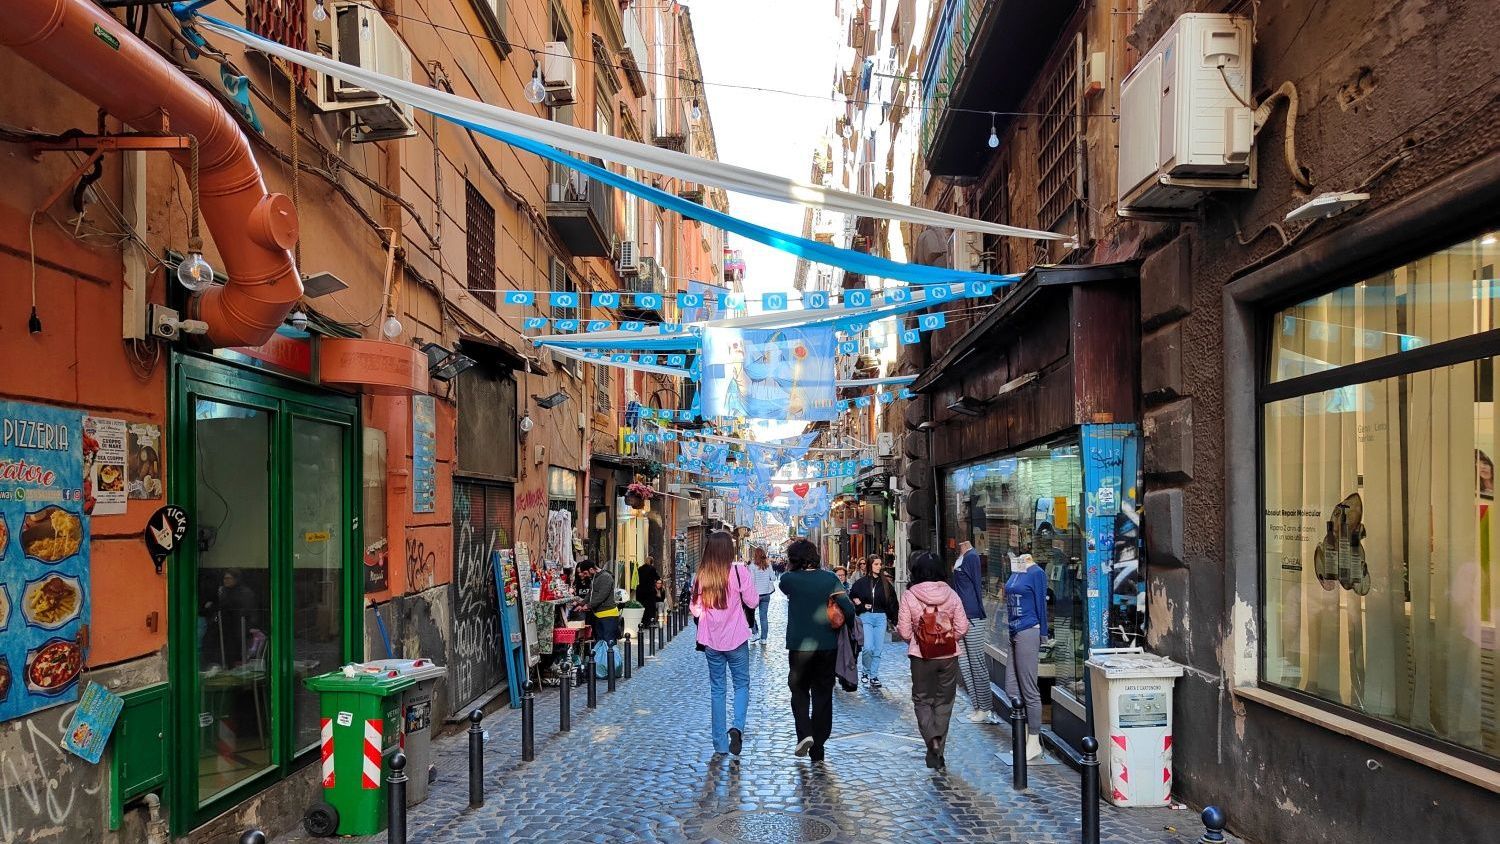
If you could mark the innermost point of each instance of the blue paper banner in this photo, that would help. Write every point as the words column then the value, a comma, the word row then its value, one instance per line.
column 784, row 373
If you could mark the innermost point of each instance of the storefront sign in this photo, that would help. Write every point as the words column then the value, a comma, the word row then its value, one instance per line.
column 286, row 353
column 143, row 452
column 104, row 479
column 93, row 721
column 424, row 454
column 373, row 366
column 164, row 531
column 44, row 557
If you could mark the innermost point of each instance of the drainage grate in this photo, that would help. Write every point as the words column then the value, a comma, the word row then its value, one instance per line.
column 773, row 828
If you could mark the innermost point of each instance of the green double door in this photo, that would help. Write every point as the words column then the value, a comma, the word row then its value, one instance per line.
column 265, row 590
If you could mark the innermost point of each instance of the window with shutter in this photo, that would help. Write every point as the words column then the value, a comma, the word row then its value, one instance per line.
column 1059, row 140
column 480, row 229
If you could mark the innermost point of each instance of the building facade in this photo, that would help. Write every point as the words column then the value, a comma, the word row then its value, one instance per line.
column 345, row 483
column 1308, row 519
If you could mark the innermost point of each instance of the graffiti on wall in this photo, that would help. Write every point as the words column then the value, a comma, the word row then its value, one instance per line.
column 476, row 664
column 41, row 785
column 421, row 566
column 1112, row 481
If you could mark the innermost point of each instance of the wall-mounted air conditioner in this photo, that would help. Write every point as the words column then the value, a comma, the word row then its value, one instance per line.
column 356, row 34
column 628, row 262
column 964, row 251
column 558, row 72
column 1185, row 123
column 885, row 443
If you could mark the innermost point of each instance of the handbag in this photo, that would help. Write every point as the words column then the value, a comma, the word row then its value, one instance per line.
column 835, row 613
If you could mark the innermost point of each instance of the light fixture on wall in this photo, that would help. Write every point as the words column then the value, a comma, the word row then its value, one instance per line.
column 195, row 273
column 444, row 364
column 549, row 402
column 391, row 328
column 968, row 406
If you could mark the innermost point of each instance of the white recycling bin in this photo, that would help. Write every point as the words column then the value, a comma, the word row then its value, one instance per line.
column 1132, row 700
column 416, row 720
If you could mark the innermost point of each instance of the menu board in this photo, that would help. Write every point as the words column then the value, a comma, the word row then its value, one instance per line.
column 93, row 721
column 423, row 454
column 44, row 557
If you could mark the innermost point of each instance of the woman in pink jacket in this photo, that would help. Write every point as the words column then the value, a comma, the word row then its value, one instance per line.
column 722, row 594
column 932, row 621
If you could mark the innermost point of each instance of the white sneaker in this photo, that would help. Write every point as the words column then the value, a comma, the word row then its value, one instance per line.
column 980, row 716
column 1033, row 746
column 804, row 746
column 995, row 718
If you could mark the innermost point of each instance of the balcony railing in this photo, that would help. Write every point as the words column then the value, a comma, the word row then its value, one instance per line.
column 581, row 211
column 943, row 66
column 651, row 279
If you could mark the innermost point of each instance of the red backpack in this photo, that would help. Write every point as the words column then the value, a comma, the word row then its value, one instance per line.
column 934, row 640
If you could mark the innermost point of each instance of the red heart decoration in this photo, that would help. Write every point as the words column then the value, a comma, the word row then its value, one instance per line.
column 801, row 489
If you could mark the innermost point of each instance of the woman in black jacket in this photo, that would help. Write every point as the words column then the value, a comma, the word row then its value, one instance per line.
column 648, row 590
column 874, row 597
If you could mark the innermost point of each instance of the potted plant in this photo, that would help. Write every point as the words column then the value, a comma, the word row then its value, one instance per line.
column 631, row 613
column 638, row 493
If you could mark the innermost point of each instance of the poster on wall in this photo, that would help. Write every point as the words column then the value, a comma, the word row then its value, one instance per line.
column 44, row 557
column 423, row 454
column 143, row 466
column 782, row 373
column 93, row 721
column 1112, row 524
column 377, row 567
column 104, row 478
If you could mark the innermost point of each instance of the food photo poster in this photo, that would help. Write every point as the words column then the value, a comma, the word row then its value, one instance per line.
column 44, row 556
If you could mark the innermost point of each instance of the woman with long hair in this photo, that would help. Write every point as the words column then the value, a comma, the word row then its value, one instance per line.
column 722, row 592
column 812, row 644
column 874, row 597
column 765, row 584
column 933, row 622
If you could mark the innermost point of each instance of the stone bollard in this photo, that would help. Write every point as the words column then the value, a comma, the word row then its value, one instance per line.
column 395, row 793
column 476, row 760
column 1214, row 821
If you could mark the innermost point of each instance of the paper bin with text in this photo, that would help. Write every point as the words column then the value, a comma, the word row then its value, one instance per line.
column 416, row 720
column 1132, row 701
column 360, row 717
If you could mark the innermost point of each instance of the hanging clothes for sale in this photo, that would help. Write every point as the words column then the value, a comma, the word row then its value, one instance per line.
column 559, row 539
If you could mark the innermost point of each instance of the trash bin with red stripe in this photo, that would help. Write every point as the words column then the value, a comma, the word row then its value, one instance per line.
column 360, row 709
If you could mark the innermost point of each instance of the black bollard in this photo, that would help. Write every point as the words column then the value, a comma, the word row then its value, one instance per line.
column 1214, row 821
column 613, row 668
column 395, row 795
column 476, row 760
column 565, row 701
column 656, row 640
column 528, row 725
column 253, row 836
column 627, row 656
column 1017, row 745
column 593, row 685
column 640, row 651
column 1090, row 789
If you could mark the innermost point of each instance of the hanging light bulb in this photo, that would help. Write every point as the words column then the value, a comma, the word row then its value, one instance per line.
column 195, row 273
column 994, row 138
column 697, row 110
column 535, row 91
column 391, row 328
column 364, row 29
column 320, row 12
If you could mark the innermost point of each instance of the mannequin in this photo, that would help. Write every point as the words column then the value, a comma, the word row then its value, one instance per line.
column 1026, row 615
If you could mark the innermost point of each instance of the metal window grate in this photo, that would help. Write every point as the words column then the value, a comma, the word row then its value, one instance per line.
column 1059, row 139
column 480, row 219
column 282, row 21
column 994, row 207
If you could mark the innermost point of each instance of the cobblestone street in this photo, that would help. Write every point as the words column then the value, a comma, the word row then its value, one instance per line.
column 640, row 768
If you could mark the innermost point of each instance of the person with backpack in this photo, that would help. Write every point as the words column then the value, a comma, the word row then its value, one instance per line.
column 932, row 621
column 723, row 592
column 816, row 608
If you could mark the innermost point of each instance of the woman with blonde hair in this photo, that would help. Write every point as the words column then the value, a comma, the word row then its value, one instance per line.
column 722, row 593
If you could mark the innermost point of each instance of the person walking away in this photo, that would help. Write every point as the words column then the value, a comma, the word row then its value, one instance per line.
column 604, row 610
column 932, row 621
column 765, row 585
column 1026, row 616
column 648, row 590
column 722, row 591
column 874, row 598
column 812, row 644
column 976, row 674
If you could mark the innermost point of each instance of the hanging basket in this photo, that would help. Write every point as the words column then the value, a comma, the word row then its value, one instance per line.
column 635, row 500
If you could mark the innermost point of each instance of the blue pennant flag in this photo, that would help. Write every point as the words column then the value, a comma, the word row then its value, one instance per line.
column 606, row 300
column 689, row 300
column 940, row 293
column 567, row 325
column 866, row 462
column 619, row 358
column 533, row 323
column 856, row 298
column 648, row 301
column 774, row 301
column 631, row 439
column 856, row 327
column 731, row 301
column 650, row 439
column 977, row 289
column 669, row 436
column 685, row 415
column 634, row 325
column 849, row 347
column 887, row 397
column 843, row 404
column 910, row 336
column 598, row 324
column 676, row 360
column 594, row 355
column 649, row 360
column 520, row 297
column 669, row 328
column 862, row 401
column 563, row 300
column 907, row 394
column 815, row 300
column 931, row 322
column 898, row 295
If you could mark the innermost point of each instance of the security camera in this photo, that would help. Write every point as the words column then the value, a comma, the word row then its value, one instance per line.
column 165, row 325
column 298, row 319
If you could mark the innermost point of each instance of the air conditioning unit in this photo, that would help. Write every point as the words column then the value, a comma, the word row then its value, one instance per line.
column 558, row 72
column 885, row 443
column 628, row 262
column 356, row 34
column 1185, row 126
column 964, row 250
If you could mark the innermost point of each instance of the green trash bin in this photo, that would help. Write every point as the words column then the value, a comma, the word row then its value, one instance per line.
column 360, row 710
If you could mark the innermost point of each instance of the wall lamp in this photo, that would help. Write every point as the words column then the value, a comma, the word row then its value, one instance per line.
column 969, row 406
column 549, row 402
column 444, row 364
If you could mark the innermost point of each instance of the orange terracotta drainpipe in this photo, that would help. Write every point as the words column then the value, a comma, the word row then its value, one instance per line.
column 82, row 46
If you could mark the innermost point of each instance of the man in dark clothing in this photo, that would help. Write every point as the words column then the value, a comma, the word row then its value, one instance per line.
column 972, row 662
column 812, row 645
column 648, row 590
column 604, row 611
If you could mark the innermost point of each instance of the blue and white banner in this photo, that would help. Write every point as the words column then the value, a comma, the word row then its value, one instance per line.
column 783, row 373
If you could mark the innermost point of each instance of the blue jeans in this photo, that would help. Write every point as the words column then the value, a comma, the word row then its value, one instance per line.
column 869, row 658
column 738, row 662
column 765, row 615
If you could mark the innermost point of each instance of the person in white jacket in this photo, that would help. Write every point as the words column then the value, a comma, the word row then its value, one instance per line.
column 765, row 584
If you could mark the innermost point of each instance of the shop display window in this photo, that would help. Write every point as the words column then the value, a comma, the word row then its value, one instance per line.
column 1027, row 503
column 1379, row 439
